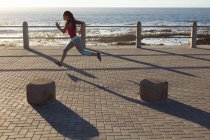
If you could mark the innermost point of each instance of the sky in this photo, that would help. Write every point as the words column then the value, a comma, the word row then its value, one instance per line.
column 105, row 3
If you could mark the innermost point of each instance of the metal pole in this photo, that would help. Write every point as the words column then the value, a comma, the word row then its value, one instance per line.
column 138, row 35
column 25, row 35
column 193, row 41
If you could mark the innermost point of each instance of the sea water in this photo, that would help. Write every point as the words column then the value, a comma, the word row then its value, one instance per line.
column 100, row 16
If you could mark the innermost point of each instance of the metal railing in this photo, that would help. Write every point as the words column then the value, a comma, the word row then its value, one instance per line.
column 193, row 36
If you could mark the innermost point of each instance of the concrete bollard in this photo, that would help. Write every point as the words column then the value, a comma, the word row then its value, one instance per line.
column 40, row 92
column 83, row 34
column 193, row 39
column 153, row 90
column 25, row 35
column 138, row 35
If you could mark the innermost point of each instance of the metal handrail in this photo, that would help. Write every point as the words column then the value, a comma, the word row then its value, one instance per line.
column 11, row 37
column 99, row 26
column 104, row 26
column 45, row 26
column 2, row 26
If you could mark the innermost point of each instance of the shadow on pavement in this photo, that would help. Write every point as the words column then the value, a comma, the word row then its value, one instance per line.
column 169, row 106
column 66, row 122
column 65, row 65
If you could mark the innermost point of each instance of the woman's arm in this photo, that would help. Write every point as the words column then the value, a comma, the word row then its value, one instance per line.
column 81, row 23
column 62, row 30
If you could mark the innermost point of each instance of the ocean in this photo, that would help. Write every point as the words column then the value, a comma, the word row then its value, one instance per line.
column 101, row 16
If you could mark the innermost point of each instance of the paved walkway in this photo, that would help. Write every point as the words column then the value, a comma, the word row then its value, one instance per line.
column 99, row 100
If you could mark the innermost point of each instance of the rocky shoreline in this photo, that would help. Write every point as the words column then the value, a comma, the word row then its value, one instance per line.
column 130, row 39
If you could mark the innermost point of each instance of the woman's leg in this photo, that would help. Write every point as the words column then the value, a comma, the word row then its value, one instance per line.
column 80, row 48
column 67, row 48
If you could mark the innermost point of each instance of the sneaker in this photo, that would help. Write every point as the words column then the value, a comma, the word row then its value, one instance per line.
column 99, row 56
column 58, row 63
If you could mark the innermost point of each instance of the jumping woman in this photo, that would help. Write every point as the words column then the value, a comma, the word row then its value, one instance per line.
column 70, row 27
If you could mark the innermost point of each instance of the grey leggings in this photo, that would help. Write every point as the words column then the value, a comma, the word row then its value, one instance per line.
column 76, row 41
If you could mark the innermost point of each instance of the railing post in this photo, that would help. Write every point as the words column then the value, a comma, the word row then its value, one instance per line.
column 83, row 34
column 25, row 35
column 193, row 39
column 138, row 35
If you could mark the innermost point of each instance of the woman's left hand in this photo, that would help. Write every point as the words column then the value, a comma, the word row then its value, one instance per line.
column 57, row 25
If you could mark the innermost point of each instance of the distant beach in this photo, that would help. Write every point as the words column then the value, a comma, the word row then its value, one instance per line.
column 108, row 17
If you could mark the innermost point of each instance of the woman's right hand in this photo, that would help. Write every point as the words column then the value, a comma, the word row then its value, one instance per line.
column 79, row 31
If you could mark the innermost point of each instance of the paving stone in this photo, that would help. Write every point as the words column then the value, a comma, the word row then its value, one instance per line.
column 99, row 100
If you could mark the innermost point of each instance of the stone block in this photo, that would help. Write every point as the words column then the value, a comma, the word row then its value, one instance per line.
column 40, row 91
column 153, row 90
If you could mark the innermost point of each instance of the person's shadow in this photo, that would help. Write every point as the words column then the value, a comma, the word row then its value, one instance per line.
column 82, row 72
column 168, row 106
column 67, row 122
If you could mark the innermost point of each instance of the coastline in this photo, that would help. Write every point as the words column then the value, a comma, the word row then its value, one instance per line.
column 120, row 39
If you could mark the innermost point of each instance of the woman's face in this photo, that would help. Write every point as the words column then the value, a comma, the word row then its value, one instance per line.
column 65, row 17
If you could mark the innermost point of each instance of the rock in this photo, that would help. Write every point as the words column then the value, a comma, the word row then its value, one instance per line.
column 125, row 43
column 40, row 91
column 153, row 90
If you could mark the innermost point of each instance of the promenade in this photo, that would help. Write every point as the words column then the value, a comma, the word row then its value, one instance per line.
column 99, row 100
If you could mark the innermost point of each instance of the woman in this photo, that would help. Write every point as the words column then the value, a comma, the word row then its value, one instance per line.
column 70, row 27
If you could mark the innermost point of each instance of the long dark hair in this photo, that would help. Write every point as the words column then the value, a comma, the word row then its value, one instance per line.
column 71, row 18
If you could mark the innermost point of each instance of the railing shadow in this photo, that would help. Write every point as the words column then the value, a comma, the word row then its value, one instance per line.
column 20, row 56
column 66, row 122
column 98, row 69
column 208, row 49
column 65, row 65
column 182, row 55
column 144, row 68
column 169, row 106
column 147, row 64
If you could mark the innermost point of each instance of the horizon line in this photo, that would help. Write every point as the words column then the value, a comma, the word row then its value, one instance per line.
column 104, row 7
